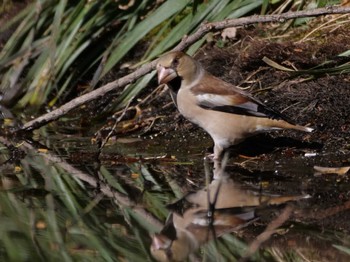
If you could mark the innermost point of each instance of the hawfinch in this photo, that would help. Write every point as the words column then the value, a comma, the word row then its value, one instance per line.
column 224, row 111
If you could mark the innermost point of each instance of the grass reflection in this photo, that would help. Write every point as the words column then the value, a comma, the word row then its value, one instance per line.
column 52, row 209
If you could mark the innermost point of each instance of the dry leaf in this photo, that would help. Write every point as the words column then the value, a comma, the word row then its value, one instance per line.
column 331, row 170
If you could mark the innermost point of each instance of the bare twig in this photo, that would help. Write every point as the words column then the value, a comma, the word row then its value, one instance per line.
column 280, row 18
column 57, row 113
column 117, row 121
column 186, row 41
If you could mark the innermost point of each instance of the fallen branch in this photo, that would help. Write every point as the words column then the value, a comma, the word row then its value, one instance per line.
column 186, row 41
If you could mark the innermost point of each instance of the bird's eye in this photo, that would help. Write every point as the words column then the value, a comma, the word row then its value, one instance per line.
column 175, row 62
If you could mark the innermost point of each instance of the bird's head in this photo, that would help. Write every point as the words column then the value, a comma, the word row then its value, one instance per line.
column 175, row 67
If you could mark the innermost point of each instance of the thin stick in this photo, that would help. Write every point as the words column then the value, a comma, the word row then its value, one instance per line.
column 115, row 125
column 185, row 42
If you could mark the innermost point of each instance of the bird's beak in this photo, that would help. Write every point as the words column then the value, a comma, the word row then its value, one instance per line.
column 165, row 74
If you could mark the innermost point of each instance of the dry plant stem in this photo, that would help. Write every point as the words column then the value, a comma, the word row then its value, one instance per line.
column 186, row 41
column 115, row 125
column 270, row 229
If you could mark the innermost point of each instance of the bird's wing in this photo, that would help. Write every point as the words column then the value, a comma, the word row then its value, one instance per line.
column 215, row 94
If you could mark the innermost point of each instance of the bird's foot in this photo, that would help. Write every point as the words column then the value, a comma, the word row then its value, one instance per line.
column 212, row 158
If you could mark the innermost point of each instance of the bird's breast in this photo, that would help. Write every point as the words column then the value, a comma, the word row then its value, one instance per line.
column 224, row 127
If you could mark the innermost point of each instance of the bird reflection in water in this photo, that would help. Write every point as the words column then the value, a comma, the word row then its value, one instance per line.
column 224, row 206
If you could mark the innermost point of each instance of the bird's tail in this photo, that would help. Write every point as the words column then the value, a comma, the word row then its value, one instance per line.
column 302, row 128
column 281, row 124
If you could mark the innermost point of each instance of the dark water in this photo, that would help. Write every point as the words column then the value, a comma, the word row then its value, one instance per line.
column 62, row 198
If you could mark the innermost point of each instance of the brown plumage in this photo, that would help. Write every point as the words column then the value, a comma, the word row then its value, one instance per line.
column 226, row 112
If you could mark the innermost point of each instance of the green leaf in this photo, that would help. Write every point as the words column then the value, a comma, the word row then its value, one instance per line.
column 346, row 53
column 165, row 11
column 343, row 248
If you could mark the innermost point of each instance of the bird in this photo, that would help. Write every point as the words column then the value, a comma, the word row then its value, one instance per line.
column 222, row 207
column 182, row 235
column 227, row 113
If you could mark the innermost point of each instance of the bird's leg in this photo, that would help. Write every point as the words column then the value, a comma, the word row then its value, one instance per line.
column 217, row 169
column 220, row 165
column 218, row 149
